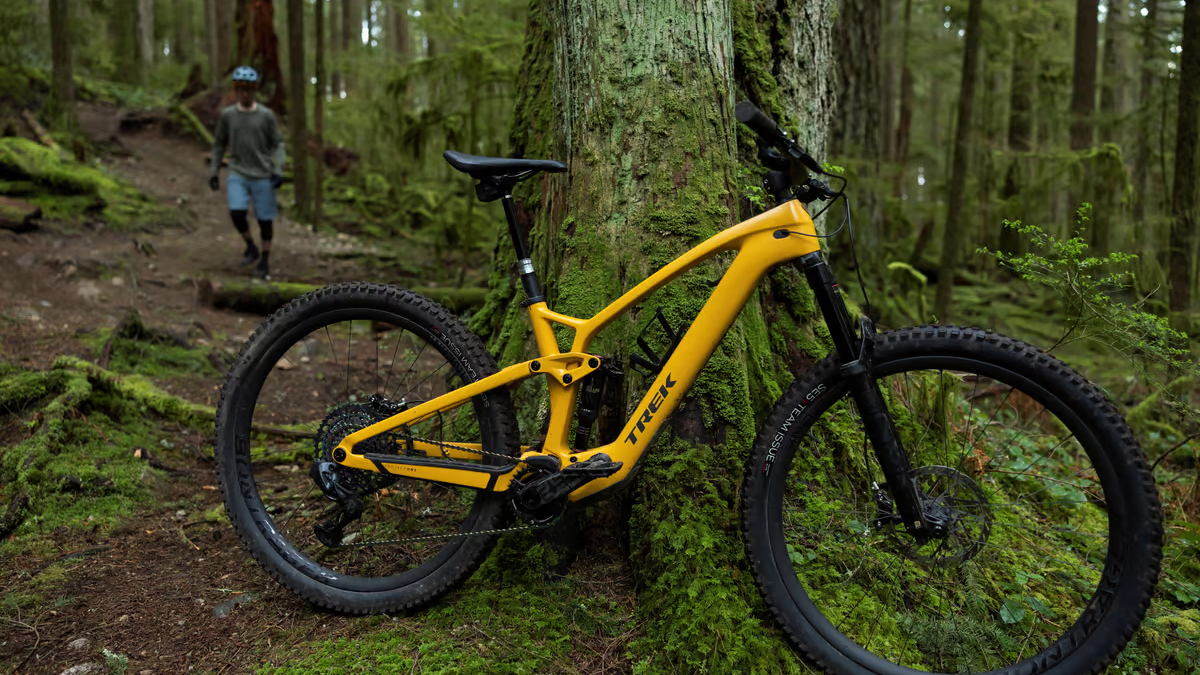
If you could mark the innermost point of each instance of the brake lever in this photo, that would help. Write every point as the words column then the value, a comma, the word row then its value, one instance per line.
column 812, row 190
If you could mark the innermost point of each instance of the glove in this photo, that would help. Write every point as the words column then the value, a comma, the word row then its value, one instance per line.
column 276, row 181
column 214, row 183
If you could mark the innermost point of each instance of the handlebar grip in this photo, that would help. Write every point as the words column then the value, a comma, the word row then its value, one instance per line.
column 749, row 114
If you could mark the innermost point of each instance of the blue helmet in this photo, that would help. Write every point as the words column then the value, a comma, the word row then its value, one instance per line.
column 245, row 74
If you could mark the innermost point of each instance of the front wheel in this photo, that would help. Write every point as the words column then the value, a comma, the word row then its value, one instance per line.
column 1045, row 536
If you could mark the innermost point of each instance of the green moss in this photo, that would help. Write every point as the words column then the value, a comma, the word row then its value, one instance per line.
column 66, row 189
column 76, row 466
column 506, row 620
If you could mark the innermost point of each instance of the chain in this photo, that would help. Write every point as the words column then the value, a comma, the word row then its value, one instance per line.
column 458, row 535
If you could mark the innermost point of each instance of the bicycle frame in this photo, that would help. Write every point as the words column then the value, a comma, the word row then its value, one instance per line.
column 780, row 235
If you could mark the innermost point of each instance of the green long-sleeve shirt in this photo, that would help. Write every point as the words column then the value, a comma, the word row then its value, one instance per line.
column 254, row 141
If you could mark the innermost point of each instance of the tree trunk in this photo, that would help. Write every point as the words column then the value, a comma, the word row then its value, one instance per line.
column 318, row 110
column 181, row 40
column 1147, row 93
column 258, row 47
column 63, row 100
column 1184, row 216
column 224, row 10
column 145, row 29
column 335, row 39
column 212, row 44
column 351, row 31
column 403, row 41
column 857, row 128
column 958, row 171
column 1112, row 91
column 297, row 114
column 903, row 128
column 1020, row 128
column 666, row 140
column 124, row 28
column 887, row 84
column 1083, row 89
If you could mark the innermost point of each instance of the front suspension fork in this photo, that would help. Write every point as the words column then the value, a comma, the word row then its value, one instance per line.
column 856, row 368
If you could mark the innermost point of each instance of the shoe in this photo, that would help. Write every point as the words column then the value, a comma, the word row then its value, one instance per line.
column 251, row 256
column 261, row 272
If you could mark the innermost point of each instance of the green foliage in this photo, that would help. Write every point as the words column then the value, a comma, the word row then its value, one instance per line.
column 1087, row 286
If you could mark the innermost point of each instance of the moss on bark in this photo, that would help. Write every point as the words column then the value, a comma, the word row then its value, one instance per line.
column 638, row 100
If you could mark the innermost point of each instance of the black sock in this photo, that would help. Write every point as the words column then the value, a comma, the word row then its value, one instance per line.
column 251, row 249
column 263, row 262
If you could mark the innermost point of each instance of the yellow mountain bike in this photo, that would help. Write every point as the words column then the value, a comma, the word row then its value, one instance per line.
column 936, row 498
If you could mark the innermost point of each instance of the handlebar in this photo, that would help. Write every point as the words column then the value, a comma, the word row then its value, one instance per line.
column 766, row 128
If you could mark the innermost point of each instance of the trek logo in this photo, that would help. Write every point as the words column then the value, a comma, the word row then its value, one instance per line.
column 651, row 408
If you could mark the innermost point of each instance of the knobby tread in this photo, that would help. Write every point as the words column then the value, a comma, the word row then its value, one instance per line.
column 936, row 338
column 349, row 295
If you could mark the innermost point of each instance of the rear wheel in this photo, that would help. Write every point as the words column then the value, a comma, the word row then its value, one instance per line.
column 331, row 363
column 1045, row 535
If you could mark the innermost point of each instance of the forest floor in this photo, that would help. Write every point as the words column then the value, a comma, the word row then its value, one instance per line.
column 170, row 587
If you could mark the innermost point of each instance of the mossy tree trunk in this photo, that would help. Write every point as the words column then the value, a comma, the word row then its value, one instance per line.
column 63, row 101
column 1184, row 216
column 638, row 99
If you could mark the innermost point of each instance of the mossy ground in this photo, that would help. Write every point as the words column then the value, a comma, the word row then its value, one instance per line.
column 506, row 620
column 69, row 191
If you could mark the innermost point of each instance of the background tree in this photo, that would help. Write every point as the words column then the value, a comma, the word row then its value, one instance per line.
column 63, row 103
column 319, row 84
column 1183, row 206
column 258, row 47
column 1083, row 89
column 297, row 114
column 958, row 171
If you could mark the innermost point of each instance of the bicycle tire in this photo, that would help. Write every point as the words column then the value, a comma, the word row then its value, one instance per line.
column 278, row 549
column 1129, row 504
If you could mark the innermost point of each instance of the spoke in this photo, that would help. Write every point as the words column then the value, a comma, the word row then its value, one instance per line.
column 410, row 367
column 418, row 385
column 349, row 340
column 865, row 593
column 395, row 351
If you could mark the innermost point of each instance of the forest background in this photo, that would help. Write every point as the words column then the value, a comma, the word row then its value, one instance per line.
column 1080, row 118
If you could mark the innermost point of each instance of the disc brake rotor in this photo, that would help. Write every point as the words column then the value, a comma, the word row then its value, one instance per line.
column 957, row 509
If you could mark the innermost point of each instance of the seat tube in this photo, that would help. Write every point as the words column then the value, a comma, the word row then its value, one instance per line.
column 529, row 278
column 877, row 420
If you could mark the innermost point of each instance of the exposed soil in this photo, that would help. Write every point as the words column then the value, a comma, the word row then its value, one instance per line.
column 148, row 589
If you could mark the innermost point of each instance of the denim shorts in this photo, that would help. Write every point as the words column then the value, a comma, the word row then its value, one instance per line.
column 240, row 191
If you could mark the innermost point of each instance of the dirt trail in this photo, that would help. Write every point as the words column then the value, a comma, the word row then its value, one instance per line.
column 149, row 589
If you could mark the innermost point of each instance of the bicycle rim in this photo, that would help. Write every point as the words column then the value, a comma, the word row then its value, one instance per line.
column 1021, row 497
column 335, row 375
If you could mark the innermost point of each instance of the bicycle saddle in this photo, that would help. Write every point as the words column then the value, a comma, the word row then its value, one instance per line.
column 480, row 167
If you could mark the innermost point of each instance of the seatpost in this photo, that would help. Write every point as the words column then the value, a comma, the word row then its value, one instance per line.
column 528, row 276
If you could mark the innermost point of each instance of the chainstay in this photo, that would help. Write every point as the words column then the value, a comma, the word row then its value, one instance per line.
column 459, row 535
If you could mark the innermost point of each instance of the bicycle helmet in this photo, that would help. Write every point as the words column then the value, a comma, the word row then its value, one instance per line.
column 245, row 74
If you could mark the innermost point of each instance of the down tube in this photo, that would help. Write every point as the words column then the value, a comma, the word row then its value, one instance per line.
column 680, row 372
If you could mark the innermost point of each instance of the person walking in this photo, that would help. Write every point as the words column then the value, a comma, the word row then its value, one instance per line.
column 256, row 155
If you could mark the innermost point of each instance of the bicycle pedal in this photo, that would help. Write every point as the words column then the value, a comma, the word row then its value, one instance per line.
column 598, row 466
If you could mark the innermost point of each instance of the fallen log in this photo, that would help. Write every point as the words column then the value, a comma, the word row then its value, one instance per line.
column 17, row 215
column 257, row 297
column 188, row 120
column 39, row 131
